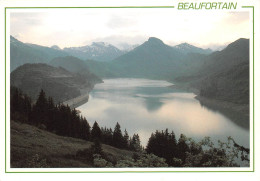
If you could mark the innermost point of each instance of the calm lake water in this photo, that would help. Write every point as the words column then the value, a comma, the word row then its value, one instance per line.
column 143, row 106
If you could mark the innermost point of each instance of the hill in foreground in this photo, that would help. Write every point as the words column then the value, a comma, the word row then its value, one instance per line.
column 58, row 83
column 32, row 147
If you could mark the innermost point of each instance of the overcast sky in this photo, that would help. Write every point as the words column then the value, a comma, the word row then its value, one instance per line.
column 78, row 27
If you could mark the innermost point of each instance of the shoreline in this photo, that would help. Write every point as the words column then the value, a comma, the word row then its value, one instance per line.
column 77, row 101
column 237, row 113
column 185, row 88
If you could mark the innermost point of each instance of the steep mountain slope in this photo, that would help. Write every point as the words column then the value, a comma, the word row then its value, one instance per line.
column 21, row 53
column 156, row 60
column 125, row 47
column 58, row 83
column 230, row 85
column 98, row 51
column 234, row 54
column 152, row 59
column 75, row 65
column 224, row 74
column 103, row 69
column 187, row 48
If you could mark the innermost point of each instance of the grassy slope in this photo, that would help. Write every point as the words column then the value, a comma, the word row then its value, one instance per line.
column 58, row 151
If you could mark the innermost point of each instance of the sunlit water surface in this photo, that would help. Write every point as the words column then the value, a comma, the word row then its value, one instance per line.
column 143, row 106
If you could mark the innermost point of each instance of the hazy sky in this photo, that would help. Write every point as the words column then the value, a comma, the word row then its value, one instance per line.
column 78, row 27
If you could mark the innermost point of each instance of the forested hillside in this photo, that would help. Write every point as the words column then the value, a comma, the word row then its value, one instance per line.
column 58, row 83
column 162, row 150
column 224, row 74
column 76, row 65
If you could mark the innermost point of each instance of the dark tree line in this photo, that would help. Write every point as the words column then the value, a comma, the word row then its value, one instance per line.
column 62, row 120
column 188, row 153
column 20, row 105
column 59, row 119
column 116, row 138
column 163, row 144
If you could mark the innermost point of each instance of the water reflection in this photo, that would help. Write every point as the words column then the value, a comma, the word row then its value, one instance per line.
column 238, row 118
column 143, row 106
column 153, row 103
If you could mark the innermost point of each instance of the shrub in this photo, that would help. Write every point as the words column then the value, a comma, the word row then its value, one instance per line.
column 36, row 162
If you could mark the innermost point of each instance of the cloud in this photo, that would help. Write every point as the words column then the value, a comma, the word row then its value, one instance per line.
column 22, row 23
column 28, row 19
column 237, row 17
column 78, row 27
column 121, row 40
column 119, row 22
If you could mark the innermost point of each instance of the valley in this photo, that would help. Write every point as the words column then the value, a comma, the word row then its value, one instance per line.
column 154, row 86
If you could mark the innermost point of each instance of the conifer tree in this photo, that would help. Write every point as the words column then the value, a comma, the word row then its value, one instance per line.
column 164, row 145
column 85, row 129
column 51, row 113
column 75, row 123
column 40, row 109
column 96, row 148
column 182, row 148
column 126, row 140
column 41, row 102
column 107, row 136
column 20, row 105
column 95, row 132
column 118, row 137
column 135, row 143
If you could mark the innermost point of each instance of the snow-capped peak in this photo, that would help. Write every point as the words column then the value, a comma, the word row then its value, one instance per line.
column 187, row 48
column 100, row 51
column 101, row 44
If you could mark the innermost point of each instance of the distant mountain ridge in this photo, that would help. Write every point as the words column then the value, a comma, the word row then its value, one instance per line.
column 56, row 47
column 154, row 59
column 211, row 73
column 125, row 47
column 99, row 51
column 187, row 48
column 22, row 53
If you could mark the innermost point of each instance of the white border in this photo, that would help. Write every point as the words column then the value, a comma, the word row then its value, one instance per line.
column 252, row 176
column 9, row 169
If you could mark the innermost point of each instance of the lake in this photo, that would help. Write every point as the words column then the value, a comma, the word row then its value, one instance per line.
column 143, row 106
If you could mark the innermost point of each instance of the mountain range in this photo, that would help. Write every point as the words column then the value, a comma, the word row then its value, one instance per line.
column 156, row 60
column 220, row 75
column 22, row 53
column 99, row 51
column 187, row 48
